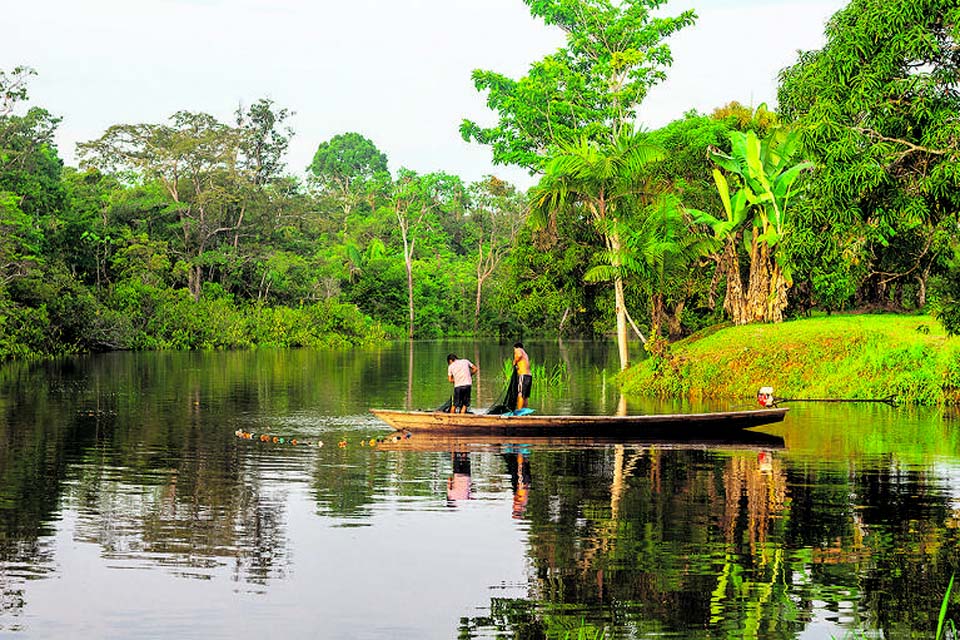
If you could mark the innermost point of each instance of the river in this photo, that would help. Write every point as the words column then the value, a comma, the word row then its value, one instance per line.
column 130, row 508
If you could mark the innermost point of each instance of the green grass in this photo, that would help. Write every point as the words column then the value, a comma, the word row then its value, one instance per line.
column 841, row 356
column 942, row 622
column 555, row 377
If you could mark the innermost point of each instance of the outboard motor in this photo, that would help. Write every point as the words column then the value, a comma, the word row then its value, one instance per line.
column 765, row 397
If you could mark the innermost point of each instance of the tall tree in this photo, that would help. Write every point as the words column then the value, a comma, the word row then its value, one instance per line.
column 497, row 212
column 589, row 90
column 264, row 140
column 415, row 201
column 604, row 181
column 345, row 168
column 210, row 171
column 31, row 189
column 614, row 54
column 879, row 109
column 661, row 249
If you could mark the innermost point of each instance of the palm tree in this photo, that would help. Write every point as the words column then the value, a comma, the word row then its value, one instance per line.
column 604, row 181
column 660, row 246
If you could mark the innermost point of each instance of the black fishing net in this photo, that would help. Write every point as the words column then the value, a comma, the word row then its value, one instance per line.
column 508, row 401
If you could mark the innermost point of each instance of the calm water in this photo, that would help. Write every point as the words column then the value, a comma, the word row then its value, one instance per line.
column 130, row 509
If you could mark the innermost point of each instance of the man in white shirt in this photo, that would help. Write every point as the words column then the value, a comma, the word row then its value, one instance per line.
column 460, row 372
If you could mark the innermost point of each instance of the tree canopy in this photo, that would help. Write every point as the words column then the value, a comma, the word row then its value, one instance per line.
column 879, row 108
column 614, row 54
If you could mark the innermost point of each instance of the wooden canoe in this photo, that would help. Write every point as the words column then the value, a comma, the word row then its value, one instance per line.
column 678, row 425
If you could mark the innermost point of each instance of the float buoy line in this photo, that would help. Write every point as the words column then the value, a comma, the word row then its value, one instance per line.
column 271, row 439
column 265, row 437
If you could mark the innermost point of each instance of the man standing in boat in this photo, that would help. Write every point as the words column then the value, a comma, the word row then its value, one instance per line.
column 460, row 372
column 524, row 378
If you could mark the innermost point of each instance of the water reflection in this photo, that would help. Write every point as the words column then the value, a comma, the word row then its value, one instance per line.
column 129, row 508
column 458, row 485
column 518, row 466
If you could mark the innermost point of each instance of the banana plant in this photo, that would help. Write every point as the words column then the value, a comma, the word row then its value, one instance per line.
column 764, row 166
column 763, row 176
column 736, row 208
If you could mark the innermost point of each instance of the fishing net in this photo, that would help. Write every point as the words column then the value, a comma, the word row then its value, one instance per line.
column 508, row 401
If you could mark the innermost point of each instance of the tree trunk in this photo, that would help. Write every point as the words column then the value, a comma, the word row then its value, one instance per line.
column 620, row 302
column 621, row 324
column 778, row 293
column 674, row 325
column 767, row 287
column 409, row 399
column 733, row 302
column 476, row 309
column 758, row 284
column 194, row 278
column 656, row 315
column 922, row 287
column 409, row 262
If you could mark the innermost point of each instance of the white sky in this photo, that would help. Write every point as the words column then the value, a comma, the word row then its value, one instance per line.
column 397, row 71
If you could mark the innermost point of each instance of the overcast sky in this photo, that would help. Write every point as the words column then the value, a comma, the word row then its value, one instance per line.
column 397, row 71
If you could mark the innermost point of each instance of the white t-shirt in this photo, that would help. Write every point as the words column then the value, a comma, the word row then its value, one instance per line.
column 460, row 370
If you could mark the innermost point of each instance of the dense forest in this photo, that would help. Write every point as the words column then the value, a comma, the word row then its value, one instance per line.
column 194, row 234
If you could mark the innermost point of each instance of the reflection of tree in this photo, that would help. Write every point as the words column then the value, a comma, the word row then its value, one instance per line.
column 408, row 401
column 34, row 449
column 895, row 541
column 194, row 515
column 677, row 541
column 654, row 540
column 349, row 481
column 151, row 479
column 691, row 542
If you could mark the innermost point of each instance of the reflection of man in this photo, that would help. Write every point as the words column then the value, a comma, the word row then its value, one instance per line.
column 458, row 485
column 519, row 468
column 521, row 495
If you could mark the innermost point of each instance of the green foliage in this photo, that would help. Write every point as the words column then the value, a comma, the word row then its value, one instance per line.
column 603, row 182
column 347, row 159
column 170, row 319
column 544, row 289
column 686, row 167
column 756, row 192
column 946, row 305
column 186, row 234
column 23, row 332
column 614, row 53
column 832, row 288
column 262, row 141
column 380, row 291
column 766, row 177
column 877, row 108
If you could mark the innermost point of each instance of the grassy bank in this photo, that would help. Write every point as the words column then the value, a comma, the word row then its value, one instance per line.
column 845, row 356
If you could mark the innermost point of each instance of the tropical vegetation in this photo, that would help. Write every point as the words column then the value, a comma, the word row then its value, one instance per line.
column 192, row 233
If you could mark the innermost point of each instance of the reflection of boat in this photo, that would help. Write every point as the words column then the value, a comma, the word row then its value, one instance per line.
column 674, row 425
column 434, row 441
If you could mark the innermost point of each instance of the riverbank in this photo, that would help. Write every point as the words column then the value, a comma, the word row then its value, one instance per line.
column 840, row 356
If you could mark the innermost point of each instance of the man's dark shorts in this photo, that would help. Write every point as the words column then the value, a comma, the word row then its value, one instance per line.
column 461, row 396
column 526, row 381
